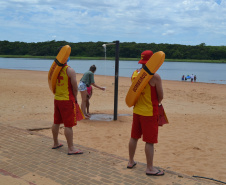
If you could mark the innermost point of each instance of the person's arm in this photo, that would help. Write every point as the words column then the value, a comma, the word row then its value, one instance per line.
column 159, row 89
column 93, row 82
column 71, row 73
column 102, row 88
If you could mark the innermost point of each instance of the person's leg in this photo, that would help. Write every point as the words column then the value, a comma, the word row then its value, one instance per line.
column 135, row 135
column 87, row 104
column 149, row 151
column 55, row 131
column 150, row 136
column 83, row 104
column 132, row 150
column 68, row 132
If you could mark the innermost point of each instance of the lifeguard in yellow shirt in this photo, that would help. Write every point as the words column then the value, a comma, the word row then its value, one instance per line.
column 145, row 118
column 66, row 109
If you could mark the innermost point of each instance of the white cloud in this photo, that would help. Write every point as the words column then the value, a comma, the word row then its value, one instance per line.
column 162, row 21
column 169, row 32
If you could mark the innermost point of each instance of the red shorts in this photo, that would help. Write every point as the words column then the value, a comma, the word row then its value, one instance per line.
column 146, row 126
column 89, row 90
column 64, row 112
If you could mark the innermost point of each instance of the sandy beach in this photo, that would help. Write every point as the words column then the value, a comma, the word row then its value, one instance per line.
column 192, row 144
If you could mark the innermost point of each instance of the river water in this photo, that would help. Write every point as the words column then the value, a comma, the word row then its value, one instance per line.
column 205, row 72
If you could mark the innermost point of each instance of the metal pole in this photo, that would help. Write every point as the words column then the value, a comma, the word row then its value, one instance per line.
column 116, row 79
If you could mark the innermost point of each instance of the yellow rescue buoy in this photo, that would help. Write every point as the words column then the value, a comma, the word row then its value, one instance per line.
column 57, row 65
column 143, row 77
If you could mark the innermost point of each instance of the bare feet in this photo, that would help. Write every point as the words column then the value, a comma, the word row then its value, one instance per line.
column 87, row 116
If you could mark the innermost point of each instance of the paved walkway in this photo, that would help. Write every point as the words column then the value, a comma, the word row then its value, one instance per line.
column 26, row 158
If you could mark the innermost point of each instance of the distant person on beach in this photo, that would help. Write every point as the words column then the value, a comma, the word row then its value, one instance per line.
column 65, row 107
column 182, row 78
column 192, row 77
column 195, row 78
column 86, row 81
column 145, row 118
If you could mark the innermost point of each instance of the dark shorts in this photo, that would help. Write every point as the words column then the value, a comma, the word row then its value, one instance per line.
column 64, row 112
column 146, row 126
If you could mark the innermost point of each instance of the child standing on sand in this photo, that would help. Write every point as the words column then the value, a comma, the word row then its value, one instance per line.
column 86, row 81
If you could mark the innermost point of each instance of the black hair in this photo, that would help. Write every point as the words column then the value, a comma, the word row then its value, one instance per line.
column 92, row 68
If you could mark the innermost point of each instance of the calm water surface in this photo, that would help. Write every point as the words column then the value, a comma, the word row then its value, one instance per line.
column 205, row 72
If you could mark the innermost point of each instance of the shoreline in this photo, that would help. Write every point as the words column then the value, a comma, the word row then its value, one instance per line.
column 112, row 58
column 120, row 76
column 191, row 144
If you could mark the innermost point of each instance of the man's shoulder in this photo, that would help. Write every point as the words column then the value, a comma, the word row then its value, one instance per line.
column 70, row 71
column 156, row 75
column 155, row 79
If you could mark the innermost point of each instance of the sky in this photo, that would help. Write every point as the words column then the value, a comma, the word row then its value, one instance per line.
column 186, row 22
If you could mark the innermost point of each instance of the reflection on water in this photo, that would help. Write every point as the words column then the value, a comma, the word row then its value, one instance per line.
column 205, row 72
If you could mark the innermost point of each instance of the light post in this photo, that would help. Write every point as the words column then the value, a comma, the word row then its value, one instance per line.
column 116, row 75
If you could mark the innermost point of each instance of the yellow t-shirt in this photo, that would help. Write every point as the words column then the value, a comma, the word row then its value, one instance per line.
column 147, row 103
column 63, row 86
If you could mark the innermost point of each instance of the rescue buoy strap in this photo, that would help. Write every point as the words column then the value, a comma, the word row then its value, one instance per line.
column 58, row 63
column 147, row 70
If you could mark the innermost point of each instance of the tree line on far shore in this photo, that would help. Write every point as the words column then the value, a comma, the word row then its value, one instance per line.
column 127, row 49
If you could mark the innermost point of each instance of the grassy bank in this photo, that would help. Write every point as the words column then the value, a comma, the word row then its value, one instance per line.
column 112, row 58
